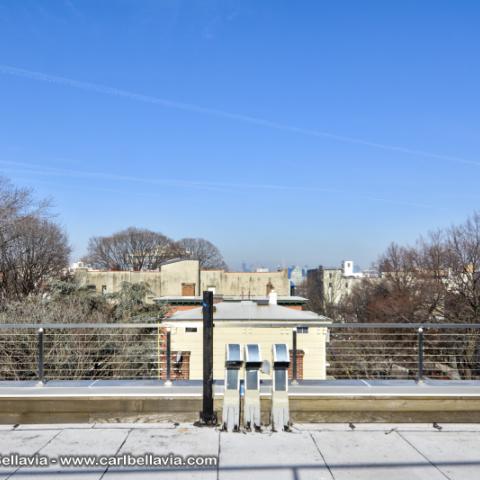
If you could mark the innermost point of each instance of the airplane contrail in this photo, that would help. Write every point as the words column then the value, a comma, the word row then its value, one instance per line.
column 97, row 88
column 31, row 168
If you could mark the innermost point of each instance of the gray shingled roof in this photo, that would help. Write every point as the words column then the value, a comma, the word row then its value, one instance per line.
column 191, row 299
column 248, row 310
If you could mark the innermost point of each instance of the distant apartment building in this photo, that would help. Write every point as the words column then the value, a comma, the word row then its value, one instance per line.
column 185, row 278
column 332, row 284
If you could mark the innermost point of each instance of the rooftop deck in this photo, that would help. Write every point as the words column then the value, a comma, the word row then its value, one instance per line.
column 315, row 451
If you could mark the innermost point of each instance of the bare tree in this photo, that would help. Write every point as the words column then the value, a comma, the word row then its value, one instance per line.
column 37, row 252
column 436, row 280
column 15, row 203
column 412, row 287
column 463, row 246
column 204, row 251
column 131, row 249
column 33, row 249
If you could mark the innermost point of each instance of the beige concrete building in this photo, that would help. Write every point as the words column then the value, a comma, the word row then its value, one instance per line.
column 336, row 283
column 252, row 322
column 185, row 278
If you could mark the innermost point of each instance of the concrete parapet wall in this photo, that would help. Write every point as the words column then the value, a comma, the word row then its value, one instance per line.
column 365, row 409
column 335, row 408
column 86, row 409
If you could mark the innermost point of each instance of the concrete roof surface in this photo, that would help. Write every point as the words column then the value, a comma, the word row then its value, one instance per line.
column 249, row 310
column 309, row 452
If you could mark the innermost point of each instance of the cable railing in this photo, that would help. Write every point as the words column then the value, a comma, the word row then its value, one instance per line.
column 404, row 351
column 129, row 351
column 83, row 352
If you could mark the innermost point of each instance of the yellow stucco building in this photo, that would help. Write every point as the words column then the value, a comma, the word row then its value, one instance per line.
column 245, row 322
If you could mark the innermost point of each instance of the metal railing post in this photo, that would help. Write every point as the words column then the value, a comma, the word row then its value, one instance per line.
column 40, row 356
column 420, row 355
column 168, row 381
column 208, row 414
column 294, row 355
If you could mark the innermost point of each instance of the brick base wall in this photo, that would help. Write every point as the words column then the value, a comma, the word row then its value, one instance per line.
column 300, row 355
column 181, row 370
column 178, row 370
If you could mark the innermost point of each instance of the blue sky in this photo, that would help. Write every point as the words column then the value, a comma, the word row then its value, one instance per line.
column 284, row 132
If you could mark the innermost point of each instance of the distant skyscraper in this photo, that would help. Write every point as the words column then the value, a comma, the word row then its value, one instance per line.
column 296, row 275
